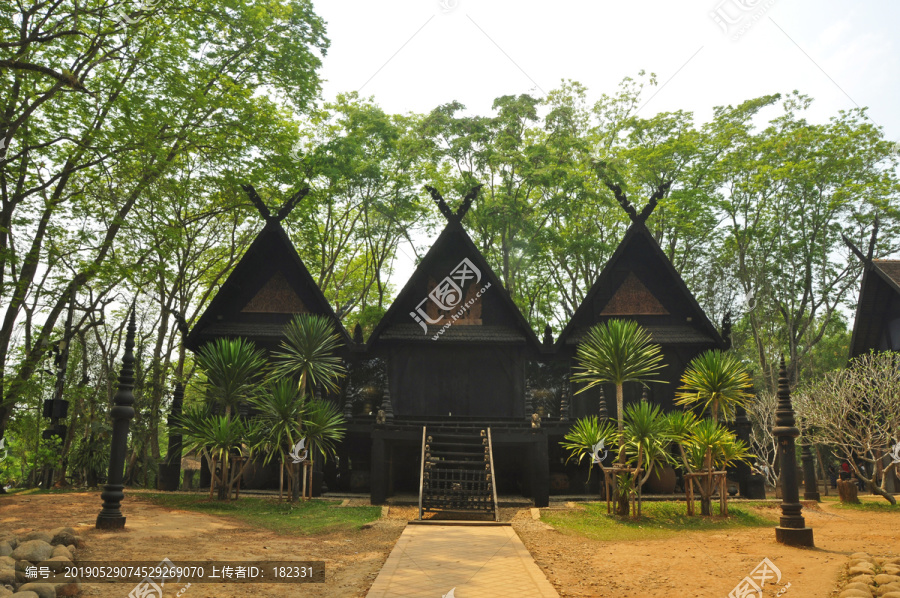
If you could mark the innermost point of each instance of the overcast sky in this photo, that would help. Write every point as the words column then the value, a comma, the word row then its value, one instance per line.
column 412, row 56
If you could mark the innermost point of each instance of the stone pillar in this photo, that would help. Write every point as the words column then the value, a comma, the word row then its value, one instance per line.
column 603, row 413
column 750, row 485
column 810, row 484
column 793, row 530
column 540, row 470
column 170, row 468
column 110, row 516
column 564, row 404
column 378, row 479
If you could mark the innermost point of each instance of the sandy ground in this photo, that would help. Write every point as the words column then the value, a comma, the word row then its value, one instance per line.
column 696, row 564
column 352, row 559
column 710, row 563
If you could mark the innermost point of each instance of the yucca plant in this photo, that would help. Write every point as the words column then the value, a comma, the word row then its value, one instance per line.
column 717, row 382
column 709, row 446
column 281, row 408
column 584, row 436
column 646, row 439
column 323, row 426
column 232, row 368
column 218, row 438
column 307, row 356
column 616, row 352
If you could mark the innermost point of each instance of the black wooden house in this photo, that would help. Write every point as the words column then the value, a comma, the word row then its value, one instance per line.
column 454, row 354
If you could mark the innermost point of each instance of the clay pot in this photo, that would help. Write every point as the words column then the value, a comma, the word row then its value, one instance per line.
column 661, row 481
column 559, row 482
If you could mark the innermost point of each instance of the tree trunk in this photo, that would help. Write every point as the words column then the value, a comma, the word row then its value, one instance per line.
column 847, row 491
column 705, row 504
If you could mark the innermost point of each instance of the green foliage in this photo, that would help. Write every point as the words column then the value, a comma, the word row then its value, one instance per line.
column 281, row 412
column 709, row 443
column 584, row 435
column 232, row 369
column 323, row 426
column 308, row 353
column 616, row 351
column 646, row 437
column 716, row 382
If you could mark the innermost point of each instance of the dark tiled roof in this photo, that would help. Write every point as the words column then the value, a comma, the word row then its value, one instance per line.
column 243, row 329
column 662, row 335
column 491, row 334
column 889, row 267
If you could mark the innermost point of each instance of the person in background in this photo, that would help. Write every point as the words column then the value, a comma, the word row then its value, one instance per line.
column 832, row 476
column 845, row 471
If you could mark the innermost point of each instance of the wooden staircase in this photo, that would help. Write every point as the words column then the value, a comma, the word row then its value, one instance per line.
column 457, row 473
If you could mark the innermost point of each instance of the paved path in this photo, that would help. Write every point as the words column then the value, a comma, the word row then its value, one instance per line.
column 478, row 561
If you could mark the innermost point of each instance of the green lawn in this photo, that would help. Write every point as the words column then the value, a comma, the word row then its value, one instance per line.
column 874, row 504
column 659, row 520
column 305, row 517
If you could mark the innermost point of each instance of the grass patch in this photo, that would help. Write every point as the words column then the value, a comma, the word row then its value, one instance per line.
column 305, row 517
column 879, row 506
column 659, row 520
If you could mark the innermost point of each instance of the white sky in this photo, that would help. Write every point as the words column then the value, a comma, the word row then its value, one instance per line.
column 412, row 56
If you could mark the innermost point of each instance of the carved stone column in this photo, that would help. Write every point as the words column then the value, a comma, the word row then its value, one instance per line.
column 793, row 530
column 110, row 516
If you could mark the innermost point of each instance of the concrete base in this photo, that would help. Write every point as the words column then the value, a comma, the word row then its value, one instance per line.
column 812, row 496
column 110, row 522
column 794, row 536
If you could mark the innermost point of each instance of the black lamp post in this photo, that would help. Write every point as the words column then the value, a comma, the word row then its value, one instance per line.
column 110, row 516
column 793, row 530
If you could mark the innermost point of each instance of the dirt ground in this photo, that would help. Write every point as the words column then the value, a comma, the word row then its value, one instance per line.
column 696, row 564
column 709, row 563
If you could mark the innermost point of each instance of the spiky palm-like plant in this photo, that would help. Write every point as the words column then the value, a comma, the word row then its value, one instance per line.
column 218, row 438
column 616, row 352
column 717, row 382
column 308, row 356
column 707, row 446
column 232, row 368
column 281, row 408
column 584, row 436
column 323, row 426
column 646, row 440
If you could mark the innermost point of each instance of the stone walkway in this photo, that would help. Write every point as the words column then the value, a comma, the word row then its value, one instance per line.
column 473, row 561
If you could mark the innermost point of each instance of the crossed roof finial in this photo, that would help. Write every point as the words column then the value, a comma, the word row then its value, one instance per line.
column 461, row 210
column 263, row 209
column 629, row 207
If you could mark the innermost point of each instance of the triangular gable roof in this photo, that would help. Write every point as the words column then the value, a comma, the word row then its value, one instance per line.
column 452, row 245
column 637, row 239
column 270, row 276
column 879, row 292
